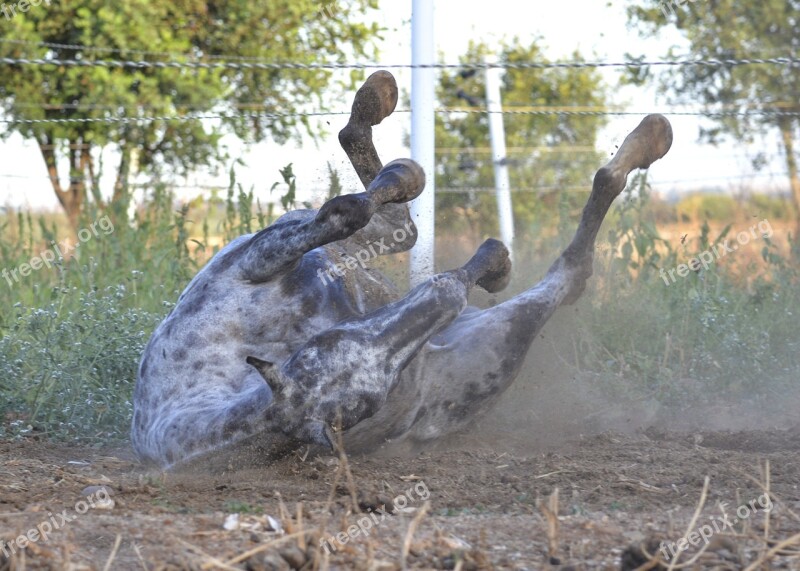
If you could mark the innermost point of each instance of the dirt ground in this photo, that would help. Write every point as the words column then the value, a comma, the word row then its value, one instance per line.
column 471, row 505
column 563, row 474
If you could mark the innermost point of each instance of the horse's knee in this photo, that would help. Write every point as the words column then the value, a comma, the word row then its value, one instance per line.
column 344, row 215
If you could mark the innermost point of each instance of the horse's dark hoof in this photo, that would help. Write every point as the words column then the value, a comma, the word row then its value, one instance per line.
column 399, row 181
column 492, row 266
column 376, row 99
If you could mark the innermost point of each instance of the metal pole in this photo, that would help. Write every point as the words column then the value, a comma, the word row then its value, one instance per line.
column 497, row 134
column 422, row 136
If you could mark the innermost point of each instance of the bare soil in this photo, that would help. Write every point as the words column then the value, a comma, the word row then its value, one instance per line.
column 563, row 474
column 487, row 507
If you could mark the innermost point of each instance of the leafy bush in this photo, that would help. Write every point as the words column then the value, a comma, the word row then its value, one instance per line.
column 707, row 206
column 71, row 343
column 722, row 332
column 69, row 366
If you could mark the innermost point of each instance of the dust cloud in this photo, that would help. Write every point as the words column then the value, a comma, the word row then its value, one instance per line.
column 553, row 404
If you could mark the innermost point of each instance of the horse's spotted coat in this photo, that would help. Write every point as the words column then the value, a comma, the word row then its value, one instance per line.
column 260, row 350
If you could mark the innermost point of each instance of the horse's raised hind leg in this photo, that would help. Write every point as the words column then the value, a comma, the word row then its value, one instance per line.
column 471, row 362
column 367, row 216
column 346, row 372
column 375, row 101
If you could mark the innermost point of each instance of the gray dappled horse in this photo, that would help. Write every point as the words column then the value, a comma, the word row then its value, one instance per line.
column 268, row 349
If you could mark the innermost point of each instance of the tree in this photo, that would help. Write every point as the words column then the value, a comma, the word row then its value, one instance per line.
column 730, row 29
column 180, row 30
column 546, row 152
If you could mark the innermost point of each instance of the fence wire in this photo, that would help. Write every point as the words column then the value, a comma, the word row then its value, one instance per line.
column 272, row 66
column 192, row 62
column 255, row 115
column 184, row 60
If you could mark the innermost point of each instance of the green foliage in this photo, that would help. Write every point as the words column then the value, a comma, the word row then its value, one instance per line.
column 66, row 365
column 334, row 182
column 544, row 151
column 73, row 333
column 72, row 337
column 708, row 206
column 237, row 506
column 290, row 180
column 730, row 29
column 766, row 206
column 184, row 30
column 718, row 336
column 709, row 337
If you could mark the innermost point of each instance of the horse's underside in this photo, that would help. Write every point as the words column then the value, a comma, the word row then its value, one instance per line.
column 267, row 349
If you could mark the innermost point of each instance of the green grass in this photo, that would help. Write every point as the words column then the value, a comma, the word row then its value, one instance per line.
column 71, row 335
column 724, row 333
column 237, row 506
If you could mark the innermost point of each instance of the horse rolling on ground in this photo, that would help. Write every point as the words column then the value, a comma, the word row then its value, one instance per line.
column 267, row 349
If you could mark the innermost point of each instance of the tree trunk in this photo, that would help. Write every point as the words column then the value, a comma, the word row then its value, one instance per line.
column 72, row 198
column 94, row 179
column 794, row 178
column 121, row 184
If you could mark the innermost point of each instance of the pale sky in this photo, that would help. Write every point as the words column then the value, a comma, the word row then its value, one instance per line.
column 598, row 29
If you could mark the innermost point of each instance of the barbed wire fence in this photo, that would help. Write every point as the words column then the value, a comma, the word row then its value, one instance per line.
column 193, row 62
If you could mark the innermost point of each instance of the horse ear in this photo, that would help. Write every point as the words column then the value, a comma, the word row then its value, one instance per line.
column 269, row 371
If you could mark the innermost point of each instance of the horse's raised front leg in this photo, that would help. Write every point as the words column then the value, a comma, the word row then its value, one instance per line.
column 344, row 374
column 278, row 247
column 470, row 363
column 375, row 101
